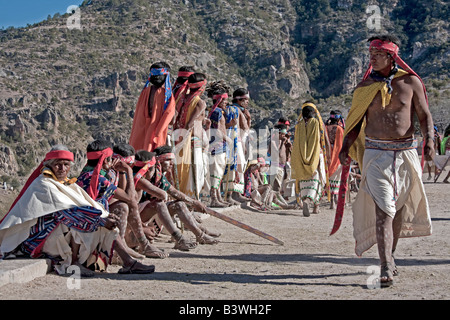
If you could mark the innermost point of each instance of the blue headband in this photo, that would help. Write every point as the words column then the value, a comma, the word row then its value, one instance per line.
column 167, row 85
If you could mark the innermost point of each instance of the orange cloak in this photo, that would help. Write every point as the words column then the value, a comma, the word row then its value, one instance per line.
column 149, row 131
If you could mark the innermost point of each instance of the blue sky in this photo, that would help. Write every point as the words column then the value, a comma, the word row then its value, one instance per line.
column 18, row 13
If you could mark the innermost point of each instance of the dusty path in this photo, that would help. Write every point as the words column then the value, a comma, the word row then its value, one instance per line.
column 310, row 265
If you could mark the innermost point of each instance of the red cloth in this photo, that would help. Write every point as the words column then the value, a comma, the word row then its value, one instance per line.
column 334, row 162
column 184, row 102
column 145, row 166
column 341, row 199
column 149, row 131
column 101, row 156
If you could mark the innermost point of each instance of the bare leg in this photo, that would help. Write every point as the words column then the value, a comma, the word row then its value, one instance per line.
column 160, row 208
column 130, row 264
column 185, row 216
column 145, row 247
column 397, row 228
column 230, row 199
column 385, row 241
column 121, row 210
column 215, row 202
column 446, row 178
column 221, row 200
column 84, row 272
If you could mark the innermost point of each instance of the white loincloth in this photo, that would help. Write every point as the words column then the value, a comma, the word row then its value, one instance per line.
column 217, row 169
column 378, row 186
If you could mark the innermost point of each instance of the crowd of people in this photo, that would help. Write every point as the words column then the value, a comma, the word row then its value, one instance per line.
column 182, row 151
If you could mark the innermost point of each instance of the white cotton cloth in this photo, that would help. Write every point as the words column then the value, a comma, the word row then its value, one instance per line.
column 378, row 185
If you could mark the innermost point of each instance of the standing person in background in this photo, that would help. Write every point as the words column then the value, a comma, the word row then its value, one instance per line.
column 234, row 174
column 189, row 136
column 155, row 110
column 241, row 98
column 335, row 129
column 308, row 157
column 218, row 92
column 445, row 148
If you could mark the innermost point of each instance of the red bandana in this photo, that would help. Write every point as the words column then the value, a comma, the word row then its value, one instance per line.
column 145, row 166
column 219, row 98
column 101, row 156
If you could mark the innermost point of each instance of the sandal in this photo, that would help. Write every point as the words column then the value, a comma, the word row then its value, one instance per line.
column 386, row 276
column 206, row 239
column 151, row 251
column 184, row 244
column 133, row 269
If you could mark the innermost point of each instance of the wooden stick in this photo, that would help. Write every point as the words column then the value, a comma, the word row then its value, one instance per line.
column 243, row 226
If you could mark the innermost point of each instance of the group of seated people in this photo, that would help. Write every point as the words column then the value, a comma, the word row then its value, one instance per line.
column 112, row 211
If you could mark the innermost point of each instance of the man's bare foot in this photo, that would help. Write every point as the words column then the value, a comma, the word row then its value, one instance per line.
column 217, row 204
column 134, row 254
column 316, row 209
column 233, row 202
column 239, row 197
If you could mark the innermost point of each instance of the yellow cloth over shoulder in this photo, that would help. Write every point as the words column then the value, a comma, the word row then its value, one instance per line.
column 185, row 152
column 362, row 98
column 306, row 150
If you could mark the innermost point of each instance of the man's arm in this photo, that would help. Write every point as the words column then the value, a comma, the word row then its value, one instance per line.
column 424, row 116
column 178, row 195
column 199, row 108
column 349, row 139
column 147, row 186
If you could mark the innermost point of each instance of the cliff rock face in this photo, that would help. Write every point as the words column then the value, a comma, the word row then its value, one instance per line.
column 70, row 86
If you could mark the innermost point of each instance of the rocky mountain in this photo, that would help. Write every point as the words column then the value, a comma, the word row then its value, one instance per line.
column 76, row 77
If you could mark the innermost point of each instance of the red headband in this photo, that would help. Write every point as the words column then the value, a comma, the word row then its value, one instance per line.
column 184, row 73
column 196, row 84
column 101, row 156
column 166, row 156
column 219, row 98
column 146, row 165
column 55, row 154
column 128, row 160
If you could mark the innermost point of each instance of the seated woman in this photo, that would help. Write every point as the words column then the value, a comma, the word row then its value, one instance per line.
column 54, row 218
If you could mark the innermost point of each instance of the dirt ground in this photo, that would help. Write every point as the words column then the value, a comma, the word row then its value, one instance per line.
column 310, row 265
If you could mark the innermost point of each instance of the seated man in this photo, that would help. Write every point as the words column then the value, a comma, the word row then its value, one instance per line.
column 153, row 208
column 157, row 177
column 95, row 180
column 53, row 217
column 261, row 195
